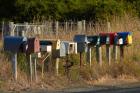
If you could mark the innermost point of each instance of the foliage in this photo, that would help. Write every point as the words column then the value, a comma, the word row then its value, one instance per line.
column 27, row 10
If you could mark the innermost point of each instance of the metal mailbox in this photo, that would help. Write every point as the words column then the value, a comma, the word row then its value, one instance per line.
column 15, row 44
column 80, row 39
column 107, row 38
column 33, row 45
column 45, row 45
column 81, row 42
column 71, row 47
column 123, row 38
column 93, row 40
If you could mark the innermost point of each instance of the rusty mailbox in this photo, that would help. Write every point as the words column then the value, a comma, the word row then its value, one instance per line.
column 33, row 45
column 15, row 44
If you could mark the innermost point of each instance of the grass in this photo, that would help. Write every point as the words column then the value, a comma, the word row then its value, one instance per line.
column 129, row 67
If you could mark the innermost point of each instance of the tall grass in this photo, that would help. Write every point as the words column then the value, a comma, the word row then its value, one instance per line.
column 129, row 66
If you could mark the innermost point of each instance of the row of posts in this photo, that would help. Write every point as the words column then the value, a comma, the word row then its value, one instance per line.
column 50, row 27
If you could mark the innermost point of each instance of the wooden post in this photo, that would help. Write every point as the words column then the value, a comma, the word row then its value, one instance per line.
column 108, row 54
column 80, row 59
column 115, row 52
column 57, row 28
column 26, row 29
column 79, row 27
column 42, row 74
column 71, row 26
column 2, row 34
column 31, row 68
column 66, row 26
column 14, row 65
column 84, row 25
column 11, row 28
column 109, row 26
column 89, row 55
column 35, row 72
column 57, row 66
column 121, row 52
column 99, row 54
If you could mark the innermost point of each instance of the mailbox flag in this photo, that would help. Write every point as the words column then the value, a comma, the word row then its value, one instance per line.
column 129, row 39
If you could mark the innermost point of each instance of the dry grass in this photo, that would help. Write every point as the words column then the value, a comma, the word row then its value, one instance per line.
column 126, row 70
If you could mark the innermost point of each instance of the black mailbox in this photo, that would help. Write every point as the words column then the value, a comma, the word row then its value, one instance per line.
column 15, row 44
column 93, row 40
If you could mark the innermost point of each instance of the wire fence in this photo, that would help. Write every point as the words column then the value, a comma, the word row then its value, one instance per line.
column 52, row 29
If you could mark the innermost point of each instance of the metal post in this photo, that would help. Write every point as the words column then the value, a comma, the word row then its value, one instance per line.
column 14, row 64
column 31, row 68
column 99, row 54
column 108, row 54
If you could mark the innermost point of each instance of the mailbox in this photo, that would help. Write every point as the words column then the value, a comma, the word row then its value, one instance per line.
column 15, row 44
column 80, row 38
column 107, row 38
column 55, row 44
column 45, row 45
column 33, row 45
column 81, row 42
column 93, row 40
column 71, row 47
column 58, row 48
column 62, row 50
column 123, row 38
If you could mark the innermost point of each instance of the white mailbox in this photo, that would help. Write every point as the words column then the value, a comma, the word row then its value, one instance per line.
column 71, row 47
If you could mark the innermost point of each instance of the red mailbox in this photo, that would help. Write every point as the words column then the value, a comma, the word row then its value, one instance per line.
column 33, row 45
column 110, row 38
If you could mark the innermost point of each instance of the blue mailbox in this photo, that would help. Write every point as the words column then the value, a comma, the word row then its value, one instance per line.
column 80, row 39
column 123, row 38
column 93, row 40
column 82, row 42
column 15, row 44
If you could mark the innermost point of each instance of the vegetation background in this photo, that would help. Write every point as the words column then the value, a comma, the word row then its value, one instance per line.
column 27, row 10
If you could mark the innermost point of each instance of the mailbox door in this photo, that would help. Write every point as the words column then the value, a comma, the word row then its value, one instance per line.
column 62, row 52
column 36, row 45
